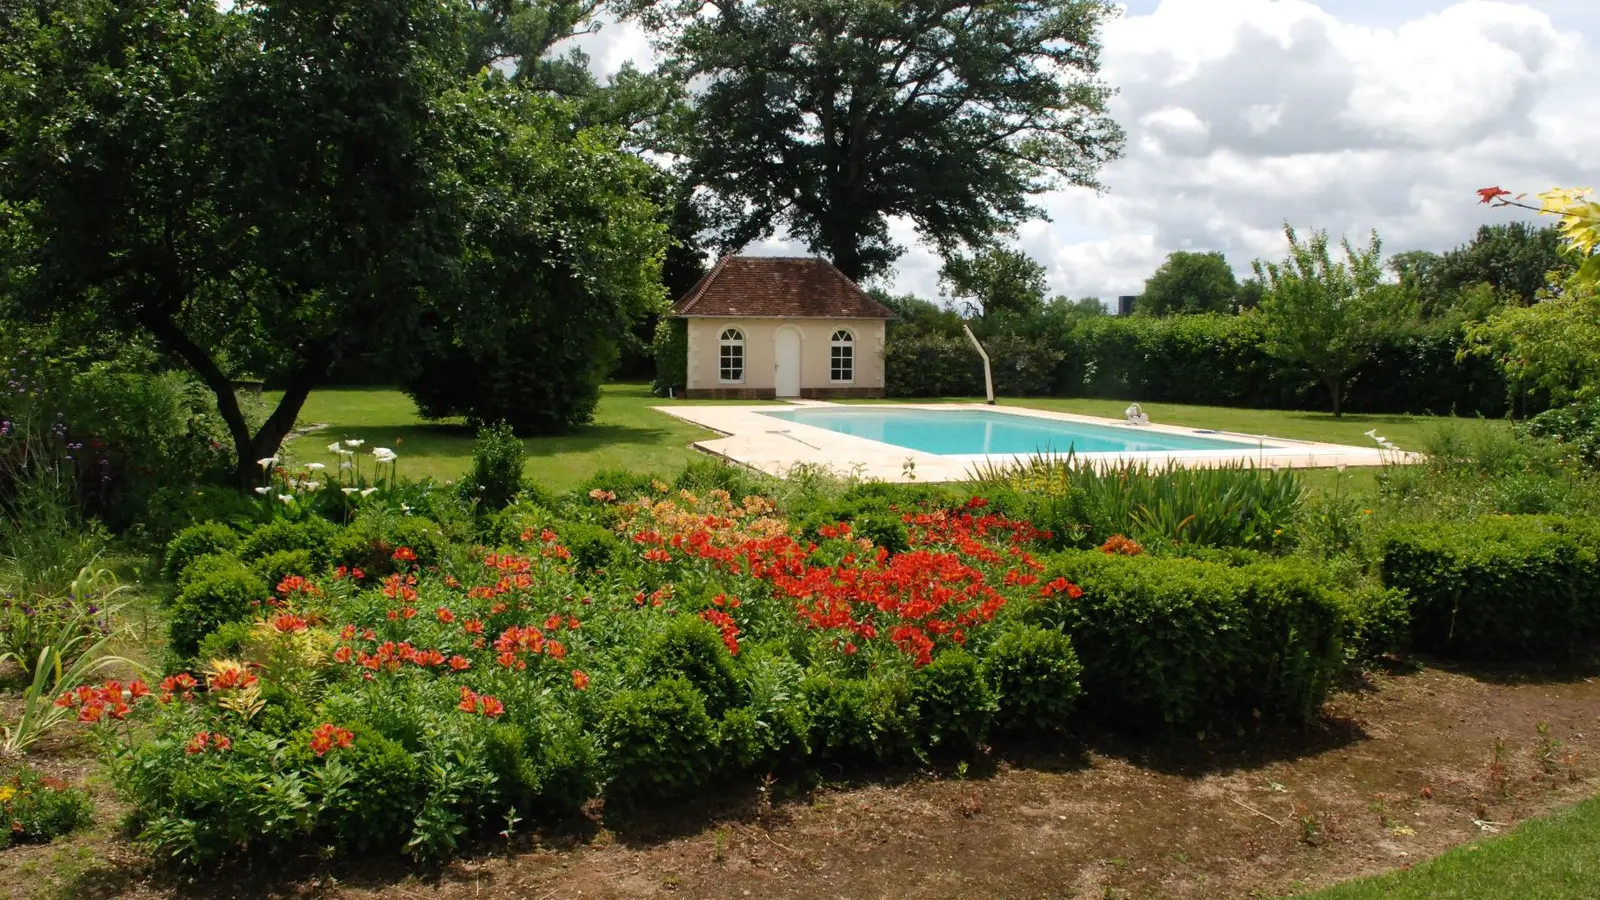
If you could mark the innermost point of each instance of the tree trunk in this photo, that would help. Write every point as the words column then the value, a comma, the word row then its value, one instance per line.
column 247, row 447
column 1335, row 385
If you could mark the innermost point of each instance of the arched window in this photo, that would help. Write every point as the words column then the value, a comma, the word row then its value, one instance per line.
column 730, row 355
column 842, row 356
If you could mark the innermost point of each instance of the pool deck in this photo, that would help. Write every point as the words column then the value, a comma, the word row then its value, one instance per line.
column 775, row 446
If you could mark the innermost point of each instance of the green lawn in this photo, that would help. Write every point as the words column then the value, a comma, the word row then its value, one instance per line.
column 1557, row 858
column 627, row 434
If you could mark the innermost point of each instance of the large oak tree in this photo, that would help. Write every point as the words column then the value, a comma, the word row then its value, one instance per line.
column 285, row 184
column 829, row 118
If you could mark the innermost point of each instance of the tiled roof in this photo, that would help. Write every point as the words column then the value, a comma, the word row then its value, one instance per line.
column 773, row 286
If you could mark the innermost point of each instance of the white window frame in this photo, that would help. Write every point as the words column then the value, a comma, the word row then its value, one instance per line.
column 848, row 343
column 724, row 343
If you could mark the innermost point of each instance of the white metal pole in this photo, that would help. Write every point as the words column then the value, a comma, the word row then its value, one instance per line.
column 988, row 377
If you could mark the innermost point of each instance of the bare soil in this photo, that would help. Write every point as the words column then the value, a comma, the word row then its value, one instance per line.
column 1399, row 768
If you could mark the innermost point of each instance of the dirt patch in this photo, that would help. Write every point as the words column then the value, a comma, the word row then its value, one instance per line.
column 1398, row 769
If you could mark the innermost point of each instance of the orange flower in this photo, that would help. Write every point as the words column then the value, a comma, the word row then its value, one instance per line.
column 342, row 655
column 491, row 706
column 287, row 623
column 469, row 700
column 198, row 743
column 404, row 554
column 445, row 615
column 580, row 680
column 472, row 626
column 1491, row 194
column 459, row 662
column 327, row 736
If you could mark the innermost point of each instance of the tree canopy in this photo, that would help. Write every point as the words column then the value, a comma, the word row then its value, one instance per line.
column 284, row 184
column 831, row 117
column 1190, row 283
column 997, row 285
column 1327, row 314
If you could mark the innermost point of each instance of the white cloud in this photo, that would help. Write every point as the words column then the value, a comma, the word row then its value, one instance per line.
column 1349, row 116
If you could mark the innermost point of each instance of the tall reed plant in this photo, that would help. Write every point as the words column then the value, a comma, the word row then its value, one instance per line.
column 1084, row 503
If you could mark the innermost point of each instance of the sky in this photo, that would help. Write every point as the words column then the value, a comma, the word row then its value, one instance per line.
column 1343, row 115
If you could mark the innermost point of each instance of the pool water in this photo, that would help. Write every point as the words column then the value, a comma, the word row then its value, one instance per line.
column 964, row 432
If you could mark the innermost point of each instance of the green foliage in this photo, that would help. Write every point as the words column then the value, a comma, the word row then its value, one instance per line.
column 716, row 474
column 497, row 460
column 1576, row 425
column 627, row 486
column 1552, row 346
column 372, row 810
column 1007, row 111
column 1382, row 622
column 1190, row 283
column 1324, row 315
column 955, row 704
column 1514, row 260
column 772, row 730
column 216, row 590
column 1181, row 643
column 660, row 743
column 279, row 564
column 670, row 349
column 691, row 649
column 593, row 547
column 196, row 541
column 1000, row 286
column 311, row 535
column 1034, row 674
column 1234, row 505
column 855, row 719
column 35, row 808
column 1499, row 588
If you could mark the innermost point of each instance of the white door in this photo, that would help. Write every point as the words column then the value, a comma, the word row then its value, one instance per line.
column 787, row 360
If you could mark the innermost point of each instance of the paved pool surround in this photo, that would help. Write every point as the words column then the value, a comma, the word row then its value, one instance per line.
column 773, row 445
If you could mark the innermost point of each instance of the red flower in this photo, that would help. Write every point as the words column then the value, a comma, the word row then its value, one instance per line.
column 342, row 655
column 580, row 680
column 198, row 743
column 492, row 707
column 327, row 736
column 405, row 554
column 1490, row 194
column 287, row 623
column 472, row 626
column 221, row 742
column 469, row 700
column 656, row 554
column 137, row 689
column 459, row 662
column 445, row 615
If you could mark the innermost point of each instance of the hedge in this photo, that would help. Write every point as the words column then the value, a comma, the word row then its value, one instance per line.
column 1513, row 587
column 1179, row 644
column 1210, row 360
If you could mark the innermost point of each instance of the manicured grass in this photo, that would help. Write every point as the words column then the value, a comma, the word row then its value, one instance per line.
column 625, row 434
column 1557, row 858
column 628, row 434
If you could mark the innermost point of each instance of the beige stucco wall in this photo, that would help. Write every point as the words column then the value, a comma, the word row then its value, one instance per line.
column 760, row 352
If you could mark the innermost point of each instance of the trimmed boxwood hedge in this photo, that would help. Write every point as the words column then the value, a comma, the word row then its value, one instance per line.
column 1173, row 643
column 1503, row 588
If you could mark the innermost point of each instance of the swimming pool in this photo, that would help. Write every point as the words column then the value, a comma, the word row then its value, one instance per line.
column 969, row 432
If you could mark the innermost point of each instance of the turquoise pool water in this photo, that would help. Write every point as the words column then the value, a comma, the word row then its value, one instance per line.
column 963, row 432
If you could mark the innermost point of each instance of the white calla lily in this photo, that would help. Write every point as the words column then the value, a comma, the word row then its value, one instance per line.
column 353, row 442
column 315, row 467
column 368, row 491
column 335, row 448
column 267, row 462
column 263, row 491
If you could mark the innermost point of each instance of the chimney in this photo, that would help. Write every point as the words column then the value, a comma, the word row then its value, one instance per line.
column 1125, row 305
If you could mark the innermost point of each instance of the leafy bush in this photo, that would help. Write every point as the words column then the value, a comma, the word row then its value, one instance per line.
column 1382, row 622
column 36, row 808
column 1498, row 588
column 498, row 457
column 660, row 743
column 670, row 347
column 373, row 809
column 715, row 474
column 1181, row 643
column 279, row 564
column 593, row 547
column 954, row 702
column 218, row 589
column 311, row 535
column 772, row 730
column 1034, row 674
column 624, row 485
column 691, row 648
column 855, row 719
column 1234, row 505
column 1576, row 425
column 196, row 541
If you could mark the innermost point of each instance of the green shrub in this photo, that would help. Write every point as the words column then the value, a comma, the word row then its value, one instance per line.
column 278, row 564
column 374, row 809
column 691, row 648
column 670, row 348
column 855, row 719
column 35, row 808
column 311, row 535
column 1382, row 623
column 1034, row 674
column 1181, row 643
column 624, row 484
column 228, row 641
column 1577, row 426
column 955, row 705
column 174, row 508
column 218, row 590
column 772, row 730
column 592, row 546
column 716, row 474
column 194, row 542
column 1499, row 588
column 659, row 743
column 371, row 540
column 498, row 457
